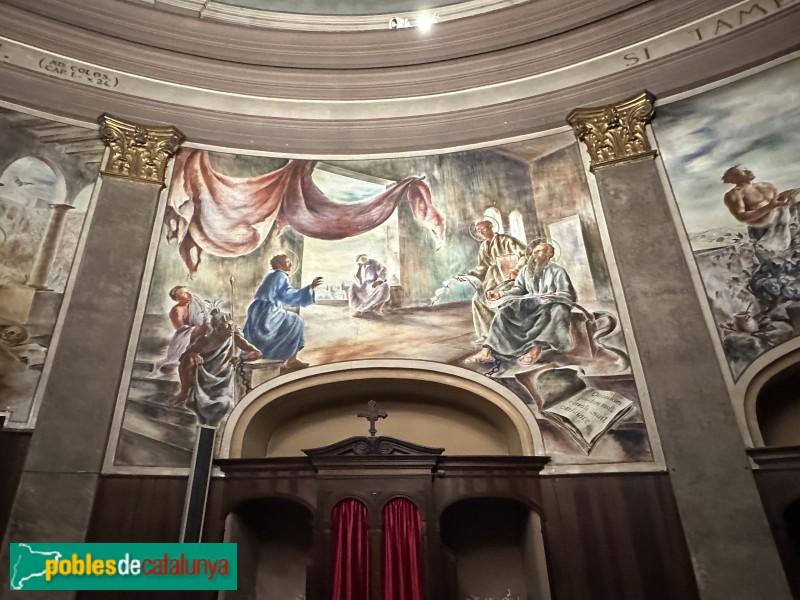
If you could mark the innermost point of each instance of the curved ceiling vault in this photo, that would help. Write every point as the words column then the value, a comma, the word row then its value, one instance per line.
column 499, row 70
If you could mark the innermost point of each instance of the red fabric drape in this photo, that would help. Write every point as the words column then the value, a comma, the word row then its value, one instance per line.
column 232, row 216
column 350, row 535
column 402, row 551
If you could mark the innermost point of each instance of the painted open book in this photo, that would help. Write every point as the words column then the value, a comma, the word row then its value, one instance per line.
column 583, row 412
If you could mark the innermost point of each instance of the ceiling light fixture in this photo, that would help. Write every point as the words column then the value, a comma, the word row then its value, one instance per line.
column 399, row 23
column 422, row 21
column 425, row 21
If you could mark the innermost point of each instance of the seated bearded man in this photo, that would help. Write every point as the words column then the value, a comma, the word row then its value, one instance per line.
column 536, row 321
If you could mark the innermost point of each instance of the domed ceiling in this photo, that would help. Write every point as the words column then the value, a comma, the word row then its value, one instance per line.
column 345, row 7
column 334, row 79
column 345, row 15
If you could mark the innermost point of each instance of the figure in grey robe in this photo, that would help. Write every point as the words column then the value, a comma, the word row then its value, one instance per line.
column 534, row 315
column 207, row 370
column 369, row 291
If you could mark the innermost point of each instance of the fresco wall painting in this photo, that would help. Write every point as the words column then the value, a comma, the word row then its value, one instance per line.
column 302, row 262
column 731, row 157
column 47, row 174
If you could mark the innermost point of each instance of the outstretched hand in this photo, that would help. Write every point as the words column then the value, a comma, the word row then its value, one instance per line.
column 317, row 282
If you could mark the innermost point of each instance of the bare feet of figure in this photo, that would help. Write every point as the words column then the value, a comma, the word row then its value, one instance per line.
column 293, row 364
column 531, row 357
column 484, row 356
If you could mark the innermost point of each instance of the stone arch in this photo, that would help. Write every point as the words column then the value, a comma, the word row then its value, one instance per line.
column 432, row 393
column 83, row 198
column 59, row 190
column 490, row 539
column 774, row 379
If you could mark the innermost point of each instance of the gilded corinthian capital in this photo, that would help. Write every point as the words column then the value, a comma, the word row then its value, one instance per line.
column 138, row 152
column 615, row 132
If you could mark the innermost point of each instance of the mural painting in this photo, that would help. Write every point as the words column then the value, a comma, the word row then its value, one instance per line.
column 47, row 173
column 488, row 260
column 731, row 156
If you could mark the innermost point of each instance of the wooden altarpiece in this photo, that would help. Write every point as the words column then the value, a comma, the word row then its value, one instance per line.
column 375, row 470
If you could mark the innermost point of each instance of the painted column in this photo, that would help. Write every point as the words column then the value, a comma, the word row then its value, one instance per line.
column 732, row 549
column 46, row 253
column 56, row 494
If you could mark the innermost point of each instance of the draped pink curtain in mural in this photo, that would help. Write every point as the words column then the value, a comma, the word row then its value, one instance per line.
column 402, row 551
column 232, row 216
column 350, row 540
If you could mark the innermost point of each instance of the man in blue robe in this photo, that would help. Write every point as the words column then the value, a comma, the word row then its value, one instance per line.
column 275, row 331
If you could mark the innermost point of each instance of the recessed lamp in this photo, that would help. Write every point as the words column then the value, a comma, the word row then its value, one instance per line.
column 425, row 21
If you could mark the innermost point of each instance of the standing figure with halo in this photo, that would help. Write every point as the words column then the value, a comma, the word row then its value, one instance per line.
column 500, row 258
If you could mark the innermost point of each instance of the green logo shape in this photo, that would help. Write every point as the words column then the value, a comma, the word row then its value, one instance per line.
column 123, row 566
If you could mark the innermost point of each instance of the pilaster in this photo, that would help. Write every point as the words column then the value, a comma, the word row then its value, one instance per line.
column 56, row 493
column 732, row 549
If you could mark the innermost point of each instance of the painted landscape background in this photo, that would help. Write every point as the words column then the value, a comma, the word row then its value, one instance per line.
column 532, row 191
column 754, row 294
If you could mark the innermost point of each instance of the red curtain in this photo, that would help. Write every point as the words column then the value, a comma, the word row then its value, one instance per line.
column 402, row 551
column 350, row 551
column 232, row 216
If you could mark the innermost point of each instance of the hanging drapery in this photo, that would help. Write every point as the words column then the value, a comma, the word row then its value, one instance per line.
column 402, row 551
column 232, row 216
column 350, row 540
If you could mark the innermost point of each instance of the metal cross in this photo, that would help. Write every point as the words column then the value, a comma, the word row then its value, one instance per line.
column 372, row 415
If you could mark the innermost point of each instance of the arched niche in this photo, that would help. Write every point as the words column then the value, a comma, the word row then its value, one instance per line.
column 772, row 403
column 275, row 539
column 428, row 403
column 494, row 548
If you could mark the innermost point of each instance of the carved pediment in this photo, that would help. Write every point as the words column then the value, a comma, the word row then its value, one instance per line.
column 373, row 446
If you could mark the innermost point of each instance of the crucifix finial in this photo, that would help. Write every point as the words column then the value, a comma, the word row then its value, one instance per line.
column 372, row 415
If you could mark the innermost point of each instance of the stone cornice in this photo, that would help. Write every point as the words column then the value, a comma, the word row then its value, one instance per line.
column 336, row 103
column 498, row 118
column 475, row 68
column 617, row 22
